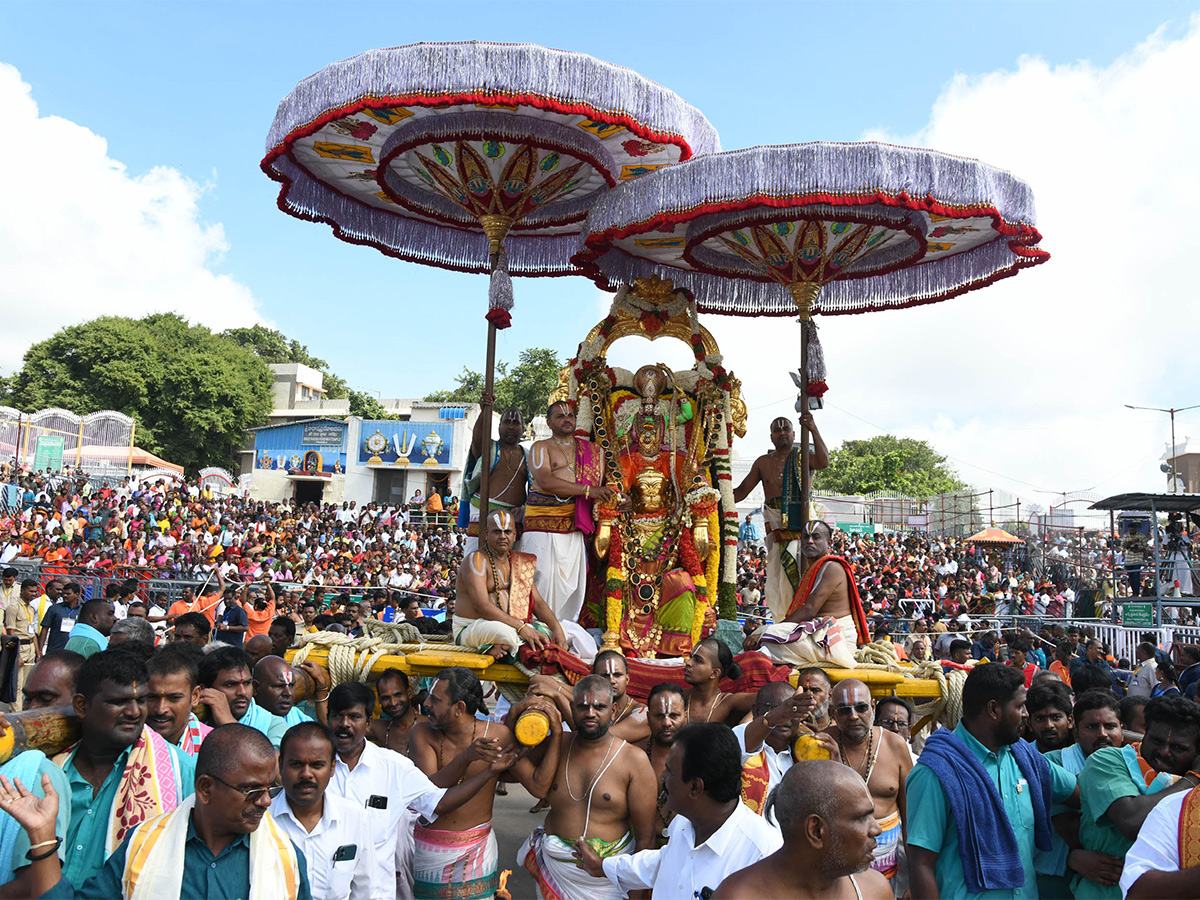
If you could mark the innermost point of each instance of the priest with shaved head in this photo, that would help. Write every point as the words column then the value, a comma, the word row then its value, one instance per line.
column 497, row 600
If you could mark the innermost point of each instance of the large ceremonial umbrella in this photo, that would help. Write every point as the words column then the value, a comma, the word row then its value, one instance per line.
column 472, row 156
column 826, row 229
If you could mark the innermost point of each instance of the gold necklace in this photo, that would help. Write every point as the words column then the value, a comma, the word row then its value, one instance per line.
column 711, row 708
column 442, row 742
column 868, row 764
column 624, row 710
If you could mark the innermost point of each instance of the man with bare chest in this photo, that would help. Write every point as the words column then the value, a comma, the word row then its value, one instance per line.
column 602, row 794
column 456, row 854
column 568, row 474
column 395, row 699
column 507, row 478
column 497, row 597
column 666, row 708
column 779, row 474
column 880, row 757
column 825, row 620
column 629, row 717
column 711, row 661
column 829, row 832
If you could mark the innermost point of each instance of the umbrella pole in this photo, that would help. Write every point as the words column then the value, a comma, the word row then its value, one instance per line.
column 805, row 469
column 804, row 295
column 485, row 450
column 496, row 228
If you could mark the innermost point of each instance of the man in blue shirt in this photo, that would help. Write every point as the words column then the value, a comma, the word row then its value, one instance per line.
column 218, row 828
column 234, row 621
column 992, row 722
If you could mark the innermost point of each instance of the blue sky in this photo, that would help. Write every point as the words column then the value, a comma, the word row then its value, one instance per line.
column 194, row 86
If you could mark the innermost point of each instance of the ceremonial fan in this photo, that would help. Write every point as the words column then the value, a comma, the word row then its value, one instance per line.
column 826, row 229
column 473, row 156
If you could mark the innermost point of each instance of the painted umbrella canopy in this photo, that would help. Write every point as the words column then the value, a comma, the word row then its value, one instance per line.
column 872, row 226
column 473, row 156
column 817, row 228
column 410, row 149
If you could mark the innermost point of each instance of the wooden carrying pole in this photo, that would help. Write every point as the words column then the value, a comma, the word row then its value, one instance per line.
column 54, row 729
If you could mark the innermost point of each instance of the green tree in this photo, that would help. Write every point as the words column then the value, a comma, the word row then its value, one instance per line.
column 887, row 463
column 367, row 407
column 272, row 346
column 192, row 393
column 527, row 386
column 468, row 389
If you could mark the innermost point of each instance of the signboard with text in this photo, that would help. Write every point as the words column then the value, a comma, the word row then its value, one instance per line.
column 1137, row 615
column 323, row 434
column 48, row 454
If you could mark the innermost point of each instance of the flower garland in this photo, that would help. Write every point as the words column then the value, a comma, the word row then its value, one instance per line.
column 692, row 565
column 614, row 585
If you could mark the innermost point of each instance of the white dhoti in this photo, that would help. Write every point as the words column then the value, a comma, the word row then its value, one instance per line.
column 825, row 640
column 479, row 634
column 551, row 862
column 561, row 575
column 779, row 590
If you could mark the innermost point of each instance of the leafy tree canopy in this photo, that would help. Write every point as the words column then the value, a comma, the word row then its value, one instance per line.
column 272, row 346
column 887, row 463
column 192, row 392
column 527, row 386
column 367, row 407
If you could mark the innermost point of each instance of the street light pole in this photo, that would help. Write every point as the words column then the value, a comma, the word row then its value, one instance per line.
column 1172, row 410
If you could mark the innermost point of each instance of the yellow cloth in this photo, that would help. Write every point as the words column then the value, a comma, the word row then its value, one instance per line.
column 154, row 859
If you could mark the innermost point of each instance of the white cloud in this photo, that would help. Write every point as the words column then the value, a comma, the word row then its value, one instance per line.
column 1028, row 377
column 80, row 237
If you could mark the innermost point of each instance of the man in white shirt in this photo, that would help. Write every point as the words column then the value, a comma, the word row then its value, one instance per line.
column 712, row 835
column 766, row 741
column 389, row 786
column 1145, row 678
column 1152, row 866
column 333, row 833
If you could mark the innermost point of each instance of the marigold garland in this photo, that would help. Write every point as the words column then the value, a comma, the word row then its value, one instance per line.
column 614, row 584
column 691, row 564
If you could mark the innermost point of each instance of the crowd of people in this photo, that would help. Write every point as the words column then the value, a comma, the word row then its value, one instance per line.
column 169, row 530
column 1064, row 777
column 913, row 574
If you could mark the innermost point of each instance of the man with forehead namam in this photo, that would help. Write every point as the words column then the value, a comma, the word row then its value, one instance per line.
column 567, row 472
column 629, row 717
column 497, row 598
column 779, row 474
column 508, row 474
column 602, row 794
column 825, row 619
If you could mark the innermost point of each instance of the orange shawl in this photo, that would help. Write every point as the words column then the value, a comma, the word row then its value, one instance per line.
column 856, row 607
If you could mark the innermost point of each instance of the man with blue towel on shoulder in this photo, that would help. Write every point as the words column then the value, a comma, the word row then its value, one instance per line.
column 979, row 798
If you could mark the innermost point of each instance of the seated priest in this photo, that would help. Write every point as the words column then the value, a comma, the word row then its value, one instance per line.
column 497, row 600
column 825, row 620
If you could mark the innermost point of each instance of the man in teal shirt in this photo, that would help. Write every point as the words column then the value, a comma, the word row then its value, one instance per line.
column 1113, row 790
column 110, row 701
column 236, row 772
column 90, row 634
column 228, row 688
column 1096, row 718
column 993, row 719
